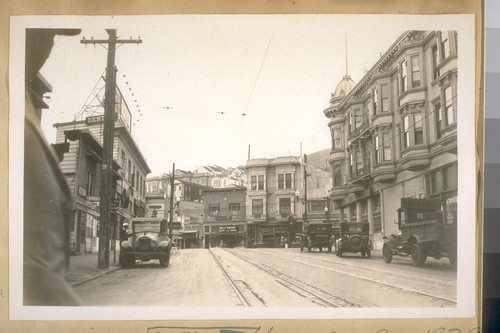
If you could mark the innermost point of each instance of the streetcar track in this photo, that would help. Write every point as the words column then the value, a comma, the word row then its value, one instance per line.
column 239, row 293
column 376, row 281
column 434, row 281
column 317, row 296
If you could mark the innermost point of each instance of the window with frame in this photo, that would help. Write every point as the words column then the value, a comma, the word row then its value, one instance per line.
column 448, row 106
column 253, row 182
column 386, row 143
column 337, row 175
column 439, row 119
column 376, row 202
column 377, row 150
column 260, row 184
column 337, row 138
column 359, row 162
column 445, row 45
column 257, row 207
column 406, row 131
column 281, row 181
column 403, row 70
column 234, row 209
column 375, row 101
column 443, row 179
column 213, row 209
column 288, row 180
column 285, row 207
column 418, row 128
column 351, row 163
column 415, row 71
column 90, row 180
column 435, row 62
column 384, row 97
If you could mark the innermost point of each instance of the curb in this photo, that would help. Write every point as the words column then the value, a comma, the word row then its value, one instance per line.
column 95, row 276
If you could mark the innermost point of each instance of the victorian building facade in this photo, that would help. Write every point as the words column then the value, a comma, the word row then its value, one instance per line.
column 82, row 165
column 394, row 133
column 275, row 199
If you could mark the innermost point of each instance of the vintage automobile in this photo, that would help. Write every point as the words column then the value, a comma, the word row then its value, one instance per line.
column 149, row 240
column 422, row 233
column 316, row 235
column 353, row 237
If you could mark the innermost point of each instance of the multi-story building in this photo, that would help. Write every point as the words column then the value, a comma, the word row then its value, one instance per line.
column 82, row 168
column 275, row 198
column 209, row 176
column 224, row 217
column 394, row 133
column 187, row 215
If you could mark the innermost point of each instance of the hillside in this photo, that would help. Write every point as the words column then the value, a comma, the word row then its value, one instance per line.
column 319, row 159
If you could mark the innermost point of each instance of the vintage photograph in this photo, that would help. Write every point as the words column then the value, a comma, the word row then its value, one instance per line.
column 228, row 166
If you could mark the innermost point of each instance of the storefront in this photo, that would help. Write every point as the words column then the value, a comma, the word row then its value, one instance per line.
column 225, row 235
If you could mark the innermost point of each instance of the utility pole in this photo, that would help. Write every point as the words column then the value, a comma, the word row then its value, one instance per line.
column 170, row 233
column 107, row 144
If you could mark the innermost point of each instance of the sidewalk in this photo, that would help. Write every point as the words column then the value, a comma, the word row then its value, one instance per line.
column 83, row 267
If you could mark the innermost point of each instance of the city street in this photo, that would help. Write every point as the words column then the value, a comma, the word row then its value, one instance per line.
column 275, row 278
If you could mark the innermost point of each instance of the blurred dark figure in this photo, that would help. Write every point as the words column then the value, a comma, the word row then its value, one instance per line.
column 47, row 199
column 124, row 232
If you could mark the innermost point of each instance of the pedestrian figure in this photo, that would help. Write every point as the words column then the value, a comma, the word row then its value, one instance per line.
column 124, row 232
column 47, row 198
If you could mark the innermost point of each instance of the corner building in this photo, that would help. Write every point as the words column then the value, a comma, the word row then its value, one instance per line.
column 394, row 133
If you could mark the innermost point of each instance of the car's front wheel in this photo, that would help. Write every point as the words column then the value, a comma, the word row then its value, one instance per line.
column 128, row 261
column 165, row 260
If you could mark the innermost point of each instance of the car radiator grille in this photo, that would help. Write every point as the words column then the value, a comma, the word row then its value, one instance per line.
column 144, row 244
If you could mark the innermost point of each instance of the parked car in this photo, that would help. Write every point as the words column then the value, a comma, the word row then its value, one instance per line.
column 422, row 233
column 353, row 237
column 149, row 240
column 316, row 235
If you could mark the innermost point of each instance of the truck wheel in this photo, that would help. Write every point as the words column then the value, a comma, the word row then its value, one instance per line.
column 387, row 253
column 418, row 255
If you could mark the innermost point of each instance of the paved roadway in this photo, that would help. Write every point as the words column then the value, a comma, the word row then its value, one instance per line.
column 275, row 278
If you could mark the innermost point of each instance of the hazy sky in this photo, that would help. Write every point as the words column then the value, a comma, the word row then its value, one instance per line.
column 278, row 70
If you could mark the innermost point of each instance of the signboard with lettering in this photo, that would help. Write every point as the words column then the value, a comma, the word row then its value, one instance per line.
column 420, row 203
column 97, row 119
column 227, row 229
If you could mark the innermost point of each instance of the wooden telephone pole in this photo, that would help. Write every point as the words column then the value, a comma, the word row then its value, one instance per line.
column 107, row 144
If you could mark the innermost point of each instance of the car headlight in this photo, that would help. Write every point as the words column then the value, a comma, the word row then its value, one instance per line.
column 154, row 244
